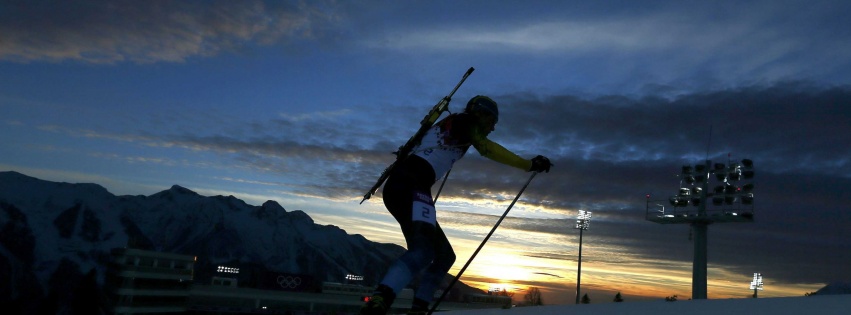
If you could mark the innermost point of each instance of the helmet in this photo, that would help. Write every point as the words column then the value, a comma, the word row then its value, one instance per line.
column 482, row 105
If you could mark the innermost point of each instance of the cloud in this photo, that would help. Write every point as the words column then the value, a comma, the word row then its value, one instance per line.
column 612, row 46
column 151, row 31
column 608, row 153
column 316, row 116
column 548, row 274
column 572, row 37
column 618, row 129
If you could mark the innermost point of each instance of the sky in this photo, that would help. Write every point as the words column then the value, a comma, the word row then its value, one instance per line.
column 302, row 102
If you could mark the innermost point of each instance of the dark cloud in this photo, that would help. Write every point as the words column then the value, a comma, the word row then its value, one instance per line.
column 744, row 122
column 694, row 81
column 152, row 31
column 318, row 165
column 547, row 274
column 611, row 151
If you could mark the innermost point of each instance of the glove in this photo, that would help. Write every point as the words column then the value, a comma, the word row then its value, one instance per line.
column 540, row 164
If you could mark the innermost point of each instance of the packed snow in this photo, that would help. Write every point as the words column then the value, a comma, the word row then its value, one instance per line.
column 825, row 304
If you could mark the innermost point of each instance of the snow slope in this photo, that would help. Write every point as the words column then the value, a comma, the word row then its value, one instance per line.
column 815, row 305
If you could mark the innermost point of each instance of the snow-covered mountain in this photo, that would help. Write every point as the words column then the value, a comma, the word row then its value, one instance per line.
column 835, row 288
column 52, row 234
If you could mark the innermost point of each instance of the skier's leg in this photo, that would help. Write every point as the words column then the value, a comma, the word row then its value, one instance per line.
column 419, row 254
column 419, row 233
column 397, row 198
column 406, row 205
column 436, row 271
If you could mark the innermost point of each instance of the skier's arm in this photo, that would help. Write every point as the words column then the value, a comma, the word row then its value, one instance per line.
column 496, row 152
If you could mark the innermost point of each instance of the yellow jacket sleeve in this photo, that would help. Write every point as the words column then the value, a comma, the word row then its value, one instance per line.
column 496, row 152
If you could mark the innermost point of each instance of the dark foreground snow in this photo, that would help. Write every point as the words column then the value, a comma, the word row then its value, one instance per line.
column 828, row 304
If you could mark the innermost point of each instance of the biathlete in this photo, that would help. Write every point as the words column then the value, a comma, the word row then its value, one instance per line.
column 407, row 196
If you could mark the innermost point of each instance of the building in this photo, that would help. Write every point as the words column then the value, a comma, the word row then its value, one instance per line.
column 334, row 298
column 149, row 282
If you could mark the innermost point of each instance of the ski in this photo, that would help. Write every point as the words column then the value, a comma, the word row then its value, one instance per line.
column 425, row 124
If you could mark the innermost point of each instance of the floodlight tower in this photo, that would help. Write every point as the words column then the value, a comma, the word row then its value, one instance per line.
column 756, row 284
column 731, row 201
column 583, row 220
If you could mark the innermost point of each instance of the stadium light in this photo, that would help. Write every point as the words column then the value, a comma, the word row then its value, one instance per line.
column 695, row 191
column 695, row 201
column 734, row 172
column 725, row 197
column 730, row 189
column 729, row 200
column 226, row 269
column 583, row 221
column 756, row 283
column 700, row 173
column 747, row 199
column 351, row 277
column 747, row 169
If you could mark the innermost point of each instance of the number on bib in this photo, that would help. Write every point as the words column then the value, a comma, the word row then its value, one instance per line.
column 423, row 209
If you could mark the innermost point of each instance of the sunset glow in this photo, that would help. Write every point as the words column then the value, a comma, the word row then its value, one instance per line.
column 304, row 103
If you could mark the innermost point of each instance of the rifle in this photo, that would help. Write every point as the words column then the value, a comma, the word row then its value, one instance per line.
column 405, row 150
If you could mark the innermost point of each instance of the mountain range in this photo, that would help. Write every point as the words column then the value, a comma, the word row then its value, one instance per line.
column 53, row 234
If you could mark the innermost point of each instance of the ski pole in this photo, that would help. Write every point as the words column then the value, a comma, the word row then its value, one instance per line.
column 445, row 177
column 455, row 280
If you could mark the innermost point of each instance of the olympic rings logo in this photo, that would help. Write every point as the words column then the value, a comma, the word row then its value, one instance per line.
column 289, row 282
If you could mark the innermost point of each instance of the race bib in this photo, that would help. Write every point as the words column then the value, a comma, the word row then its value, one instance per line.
column 423, row 209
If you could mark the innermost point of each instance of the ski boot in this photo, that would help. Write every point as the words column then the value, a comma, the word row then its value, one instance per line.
column 420, row 307
column 380, row 301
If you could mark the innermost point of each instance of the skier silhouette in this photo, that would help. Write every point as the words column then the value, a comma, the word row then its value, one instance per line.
column 407, row 196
